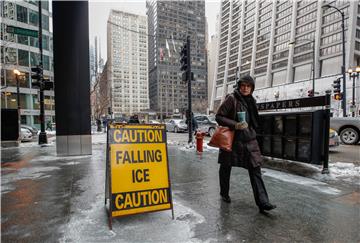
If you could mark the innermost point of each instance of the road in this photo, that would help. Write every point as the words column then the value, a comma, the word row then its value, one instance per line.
column 345, row 153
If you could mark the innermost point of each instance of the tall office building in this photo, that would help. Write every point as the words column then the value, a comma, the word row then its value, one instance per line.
column 211, row 59
column 127, row 52
column 170, row 22
column 21, row 52
column 255, row 38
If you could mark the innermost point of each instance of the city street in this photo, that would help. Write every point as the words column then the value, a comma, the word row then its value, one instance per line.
column 47, row 198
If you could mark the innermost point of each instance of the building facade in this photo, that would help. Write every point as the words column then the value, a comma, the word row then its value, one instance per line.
column 22, row 52
column 278, row 42
column 127, row 64
column 170, row 22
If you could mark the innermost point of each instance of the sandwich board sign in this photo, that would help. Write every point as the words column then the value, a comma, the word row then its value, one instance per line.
column 137, row 170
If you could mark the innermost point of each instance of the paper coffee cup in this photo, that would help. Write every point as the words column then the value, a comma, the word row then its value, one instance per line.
column 241, row 116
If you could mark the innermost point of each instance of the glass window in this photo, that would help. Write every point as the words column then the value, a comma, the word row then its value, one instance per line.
column 45, row 42
column 10, row 78
column 21, row 13
column 23, row 39
column 23, row 58
column 23, row 79
column 9, row 54
column 34, row 41
column 45, row 22
column 46, row 62
column 2, row 77
column 33, row 18
column 45, row 5
column 36, row 103
column 34, row 58
column 8, row 10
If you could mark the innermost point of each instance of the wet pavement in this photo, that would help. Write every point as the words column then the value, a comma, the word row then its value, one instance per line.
column 45, row 198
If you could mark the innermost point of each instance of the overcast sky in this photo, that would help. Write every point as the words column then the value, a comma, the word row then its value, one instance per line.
column 99, row 13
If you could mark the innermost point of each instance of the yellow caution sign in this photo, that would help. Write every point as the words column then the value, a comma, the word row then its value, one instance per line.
column 139, row 169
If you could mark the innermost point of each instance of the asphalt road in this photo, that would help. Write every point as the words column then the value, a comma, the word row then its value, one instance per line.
column 345, row 153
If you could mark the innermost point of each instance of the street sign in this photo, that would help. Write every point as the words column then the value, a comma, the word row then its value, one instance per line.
column 21, row 31
column 137, row 171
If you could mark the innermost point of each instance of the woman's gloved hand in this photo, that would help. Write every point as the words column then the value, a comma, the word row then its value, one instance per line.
column 241, row 125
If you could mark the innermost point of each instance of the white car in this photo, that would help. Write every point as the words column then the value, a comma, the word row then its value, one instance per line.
column 25, row 135
column 154, row 122
column 176, row 125
column 348, row 128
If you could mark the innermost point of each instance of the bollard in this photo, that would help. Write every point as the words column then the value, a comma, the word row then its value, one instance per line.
column 199, row 141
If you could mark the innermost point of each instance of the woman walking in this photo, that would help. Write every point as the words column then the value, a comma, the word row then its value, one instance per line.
column 245, row 149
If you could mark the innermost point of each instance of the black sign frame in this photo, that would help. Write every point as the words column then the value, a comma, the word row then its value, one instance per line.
column 324, row 122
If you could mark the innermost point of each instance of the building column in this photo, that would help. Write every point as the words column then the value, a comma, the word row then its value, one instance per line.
column 290, row 69
column 271, row 47
column 72, row 77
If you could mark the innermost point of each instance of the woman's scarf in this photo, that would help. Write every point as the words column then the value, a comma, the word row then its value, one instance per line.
column 250, row 104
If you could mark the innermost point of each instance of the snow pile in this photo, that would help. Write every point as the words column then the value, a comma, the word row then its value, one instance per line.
column 340, row 169
column 347, row 172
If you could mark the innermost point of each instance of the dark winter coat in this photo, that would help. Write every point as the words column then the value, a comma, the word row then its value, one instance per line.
column 245, row 148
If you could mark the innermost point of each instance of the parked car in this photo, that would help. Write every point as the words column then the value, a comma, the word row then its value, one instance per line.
column 34, row 131
column 154, row 122
column 334, row 139
column 25, row 135
column 206, row 124
column 176, row 125
column 347, row 127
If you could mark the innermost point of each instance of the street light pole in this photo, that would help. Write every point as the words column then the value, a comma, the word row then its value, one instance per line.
column 42, row 134
column 343, row 103
column 313, row 67
column 17, row 73
column 353, row 74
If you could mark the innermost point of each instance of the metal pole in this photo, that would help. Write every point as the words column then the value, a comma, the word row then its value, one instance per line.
column 18, row 104
column 313, row 68
column 188, row 72
column 353, row 94
column 343, row 103
column 343, row 66
column 42, row 134
column 325, row 169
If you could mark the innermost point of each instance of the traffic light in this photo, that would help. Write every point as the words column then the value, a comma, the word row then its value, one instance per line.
column 337, row 86
column 338, row 96
column 184, row 57
column 311, row 93
column 184, row 76
column 36, row 76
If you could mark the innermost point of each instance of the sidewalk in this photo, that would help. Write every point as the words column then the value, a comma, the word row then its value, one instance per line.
column 46, row 198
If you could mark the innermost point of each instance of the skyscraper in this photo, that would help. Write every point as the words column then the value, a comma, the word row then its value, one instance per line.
column 127, row 52
column 21, row 52
column 255, row 38
column 170, row 22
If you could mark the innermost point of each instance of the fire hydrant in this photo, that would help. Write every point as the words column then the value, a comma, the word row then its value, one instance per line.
column 199, row 141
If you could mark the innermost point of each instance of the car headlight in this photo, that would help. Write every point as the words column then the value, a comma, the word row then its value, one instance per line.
column 333, row 134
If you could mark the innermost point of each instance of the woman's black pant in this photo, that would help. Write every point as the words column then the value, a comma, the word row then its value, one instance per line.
column 257, row 184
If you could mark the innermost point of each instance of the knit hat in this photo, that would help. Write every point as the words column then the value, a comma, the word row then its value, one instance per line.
column 247, row 79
